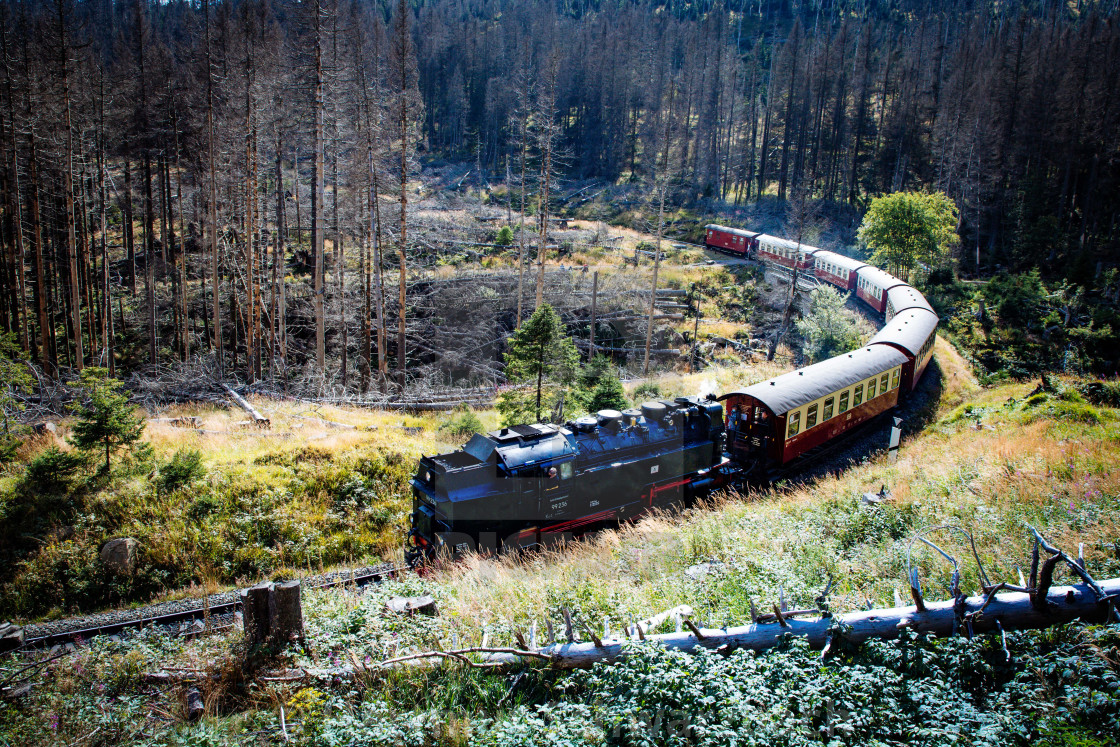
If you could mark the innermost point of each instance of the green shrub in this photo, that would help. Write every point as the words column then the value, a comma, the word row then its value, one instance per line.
column 52, row 471
column 9, row 444
column 647, row 390
column 65, row 575
column 184, row 467
column 203, row 506
column 1069, row 394
column 1106, row 393
column 504, row 237
column 1078, row 412
column 463, row 424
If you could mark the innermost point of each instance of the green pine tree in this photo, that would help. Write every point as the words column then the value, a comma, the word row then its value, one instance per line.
column 599, row 387
column 608, row 394
column 106, row 421
column 17, row 381
column 540, row 353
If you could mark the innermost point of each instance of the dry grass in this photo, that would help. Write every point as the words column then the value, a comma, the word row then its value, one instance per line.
column 225, row 436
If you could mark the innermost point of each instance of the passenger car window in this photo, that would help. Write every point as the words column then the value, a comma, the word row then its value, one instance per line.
column 883, row 383
column 857, row 396
column 843, row 401
column 810, row 417
column 794, row 424
column 828, row 406
column 871, row 389
column 894, row 378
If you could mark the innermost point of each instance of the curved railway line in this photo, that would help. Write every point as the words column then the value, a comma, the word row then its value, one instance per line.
column 212, row 613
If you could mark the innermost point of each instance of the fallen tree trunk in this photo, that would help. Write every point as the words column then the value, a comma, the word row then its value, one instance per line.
column 260, row 420
column 987, row 613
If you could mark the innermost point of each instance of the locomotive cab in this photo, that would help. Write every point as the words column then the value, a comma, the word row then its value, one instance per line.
column 750, row 430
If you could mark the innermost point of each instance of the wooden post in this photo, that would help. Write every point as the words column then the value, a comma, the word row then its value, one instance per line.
column 695, row 333
column 255, row 613
column 272, row 614
column 285, row 613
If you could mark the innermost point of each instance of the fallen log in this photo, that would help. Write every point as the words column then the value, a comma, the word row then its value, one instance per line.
column 993, row 612
column 260, row 420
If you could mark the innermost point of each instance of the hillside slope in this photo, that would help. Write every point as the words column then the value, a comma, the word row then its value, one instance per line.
column 988, row 461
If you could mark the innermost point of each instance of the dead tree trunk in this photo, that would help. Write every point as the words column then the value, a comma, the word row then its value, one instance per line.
column 280, row 352
column 260, row 420
column 46, row 350
column 317, row 198
column 68, row 188
column 985, row 613
column 212, row 203
column 272, row 614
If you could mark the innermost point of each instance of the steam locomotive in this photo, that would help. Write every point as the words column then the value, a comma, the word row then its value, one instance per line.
column 535, row 485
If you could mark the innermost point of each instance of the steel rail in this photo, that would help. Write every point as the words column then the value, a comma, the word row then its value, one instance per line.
column 178, row 617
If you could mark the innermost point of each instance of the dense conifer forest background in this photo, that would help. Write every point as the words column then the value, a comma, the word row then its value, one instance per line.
column 153, row 152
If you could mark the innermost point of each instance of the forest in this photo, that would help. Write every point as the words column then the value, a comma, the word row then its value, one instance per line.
column 232, row 177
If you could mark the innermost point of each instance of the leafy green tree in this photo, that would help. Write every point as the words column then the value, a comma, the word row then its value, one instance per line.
column 905, row 228
column 106, row 421
column 828, row 329
column 542, row 355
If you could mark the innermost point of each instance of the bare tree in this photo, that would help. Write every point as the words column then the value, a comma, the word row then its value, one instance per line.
column 407, row 106
column 547, row 138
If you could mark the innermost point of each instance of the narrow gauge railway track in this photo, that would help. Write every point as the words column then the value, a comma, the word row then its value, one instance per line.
column 220, row 609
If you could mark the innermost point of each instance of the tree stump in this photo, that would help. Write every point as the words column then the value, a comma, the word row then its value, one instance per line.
column 272, row 614
column 285, row 613
column 254, row 612
column 195, row 705
column 11, row 637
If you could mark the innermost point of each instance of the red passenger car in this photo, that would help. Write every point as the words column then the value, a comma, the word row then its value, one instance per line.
column 903, row 297
column 911, row 331
column 778, row 420
column 837, row 269
column 872, row 285
column 734, row 241
column 785, row 252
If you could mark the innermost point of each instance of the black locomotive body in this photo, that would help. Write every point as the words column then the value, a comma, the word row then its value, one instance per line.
column 530, row 485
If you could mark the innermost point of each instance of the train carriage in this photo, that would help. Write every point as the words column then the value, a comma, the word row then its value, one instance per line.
column 785, row 252
column 913, row 332
column 872, row 286
column 776, row 421
column 837, row 269
column 733, row 241
column 903, row 297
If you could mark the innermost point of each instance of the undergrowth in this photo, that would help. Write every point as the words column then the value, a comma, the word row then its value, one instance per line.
column 276, row 512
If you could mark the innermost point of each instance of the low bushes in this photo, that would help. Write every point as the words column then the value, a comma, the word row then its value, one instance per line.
column 301, row 509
